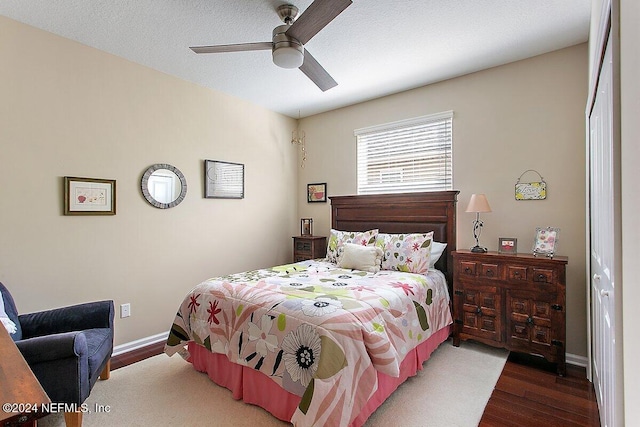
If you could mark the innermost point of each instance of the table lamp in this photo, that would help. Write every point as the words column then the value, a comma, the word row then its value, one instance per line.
column 477, row 204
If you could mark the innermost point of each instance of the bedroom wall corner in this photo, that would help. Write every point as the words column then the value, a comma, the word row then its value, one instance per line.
column 70, row 110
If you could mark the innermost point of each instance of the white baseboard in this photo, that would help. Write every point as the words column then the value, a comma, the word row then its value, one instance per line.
column 142, row 342
column 574, row 359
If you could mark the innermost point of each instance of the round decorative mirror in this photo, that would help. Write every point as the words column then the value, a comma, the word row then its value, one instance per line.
column 163, row 185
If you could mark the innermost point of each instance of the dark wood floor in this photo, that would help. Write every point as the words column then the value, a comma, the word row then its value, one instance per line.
column 136, row 355
column 528, row 393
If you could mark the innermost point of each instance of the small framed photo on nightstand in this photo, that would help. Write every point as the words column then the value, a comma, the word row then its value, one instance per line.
column 507, row 245
column 306, row 227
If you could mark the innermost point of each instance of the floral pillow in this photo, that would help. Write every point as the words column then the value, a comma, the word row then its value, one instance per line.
column 406, row 252
column 337, row 239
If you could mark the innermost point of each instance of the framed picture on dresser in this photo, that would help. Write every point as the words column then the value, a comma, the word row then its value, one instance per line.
column 507, row 245
column 546, row 241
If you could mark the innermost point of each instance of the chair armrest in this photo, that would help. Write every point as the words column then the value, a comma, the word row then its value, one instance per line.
column 78, row 317
column 53, row 347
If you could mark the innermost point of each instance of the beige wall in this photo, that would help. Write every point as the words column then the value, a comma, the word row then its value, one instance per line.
column 69, row 110
column 630, row 137
column 524, row 115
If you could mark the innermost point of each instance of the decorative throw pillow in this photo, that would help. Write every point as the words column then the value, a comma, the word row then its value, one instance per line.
column 337, row 239
column 437, row 249
column 358, row 257
column 406, row 252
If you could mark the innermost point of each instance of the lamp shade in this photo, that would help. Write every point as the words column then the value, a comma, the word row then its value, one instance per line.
column 478, row 203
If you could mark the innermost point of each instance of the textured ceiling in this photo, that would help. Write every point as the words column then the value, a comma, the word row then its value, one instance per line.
column 372, row 49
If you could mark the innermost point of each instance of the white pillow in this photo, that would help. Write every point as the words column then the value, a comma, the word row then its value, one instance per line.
column 358, row 257
column 437, row 249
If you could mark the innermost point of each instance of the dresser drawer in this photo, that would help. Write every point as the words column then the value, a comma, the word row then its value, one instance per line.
column 490, row 271
column 467, row 268
column 517, row 273
column 303, row 246
column 522, row 274
column 476, row 269
column 543, row 275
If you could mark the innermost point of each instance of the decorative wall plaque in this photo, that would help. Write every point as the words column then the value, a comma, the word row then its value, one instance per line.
column 534, row 190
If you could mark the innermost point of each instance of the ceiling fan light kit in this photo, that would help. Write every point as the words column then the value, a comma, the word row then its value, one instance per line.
column 288, row 57
column 287, row 45
column 287, row 52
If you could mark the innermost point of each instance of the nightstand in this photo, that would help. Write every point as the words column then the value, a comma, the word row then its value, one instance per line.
column 309, row 247
column 514, row 301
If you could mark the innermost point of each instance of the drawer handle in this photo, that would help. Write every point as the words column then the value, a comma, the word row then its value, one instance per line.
column 530, row 320
column 490, row 273
column 541, row 277
column 517, row 274
column 478, row 310
column 467, row 270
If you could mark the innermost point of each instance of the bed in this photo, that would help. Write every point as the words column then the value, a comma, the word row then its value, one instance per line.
column 319, row 342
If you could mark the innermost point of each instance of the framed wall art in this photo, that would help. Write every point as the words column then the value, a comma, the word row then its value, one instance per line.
column 546, row 241
column 89, row 196
column 223, row 180
column 317, row 192
column 507, row 245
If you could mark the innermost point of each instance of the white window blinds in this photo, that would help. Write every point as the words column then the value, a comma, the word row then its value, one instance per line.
column 406, row 156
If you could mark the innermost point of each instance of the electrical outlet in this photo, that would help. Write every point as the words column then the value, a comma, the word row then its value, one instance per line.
column 125, row 310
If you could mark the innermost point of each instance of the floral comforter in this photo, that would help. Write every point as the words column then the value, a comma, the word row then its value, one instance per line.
column 319, row 331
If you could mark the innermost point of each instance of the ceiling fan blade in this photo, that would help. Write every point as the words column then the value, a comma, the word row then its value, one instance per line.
column 312, row 69
column 240, row 47
column 315, row 18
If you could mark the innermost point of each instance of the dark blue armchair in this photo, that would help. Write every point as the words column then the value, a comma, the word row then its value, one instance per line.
column 66, row 348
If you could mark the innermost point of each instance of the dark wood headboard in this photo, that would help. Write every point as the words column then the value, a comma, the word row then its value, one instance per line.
column 402, row 213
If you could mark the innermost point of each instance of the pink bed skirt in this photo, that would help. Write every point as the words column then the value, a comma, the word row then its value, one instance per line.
column 255, row 388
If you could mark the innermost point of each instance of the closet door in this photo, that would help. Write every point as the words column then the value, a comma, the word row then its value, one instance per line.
column 604, row 215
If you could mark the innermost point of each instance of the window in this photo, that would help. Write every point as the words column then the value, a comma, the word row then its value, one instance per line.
column 406, row 156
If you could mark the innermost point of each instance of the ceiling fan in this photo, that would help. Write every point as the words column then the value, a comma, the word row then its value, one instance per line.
column 288, row 41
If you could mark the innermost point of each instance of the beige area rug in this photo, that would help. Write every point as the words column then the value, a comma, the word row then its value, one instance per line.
column 451, row 390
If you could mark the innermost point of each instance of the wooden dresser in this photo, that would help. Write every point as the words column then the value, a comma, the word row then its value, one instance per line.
column 309, row 247
column 514, row 301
